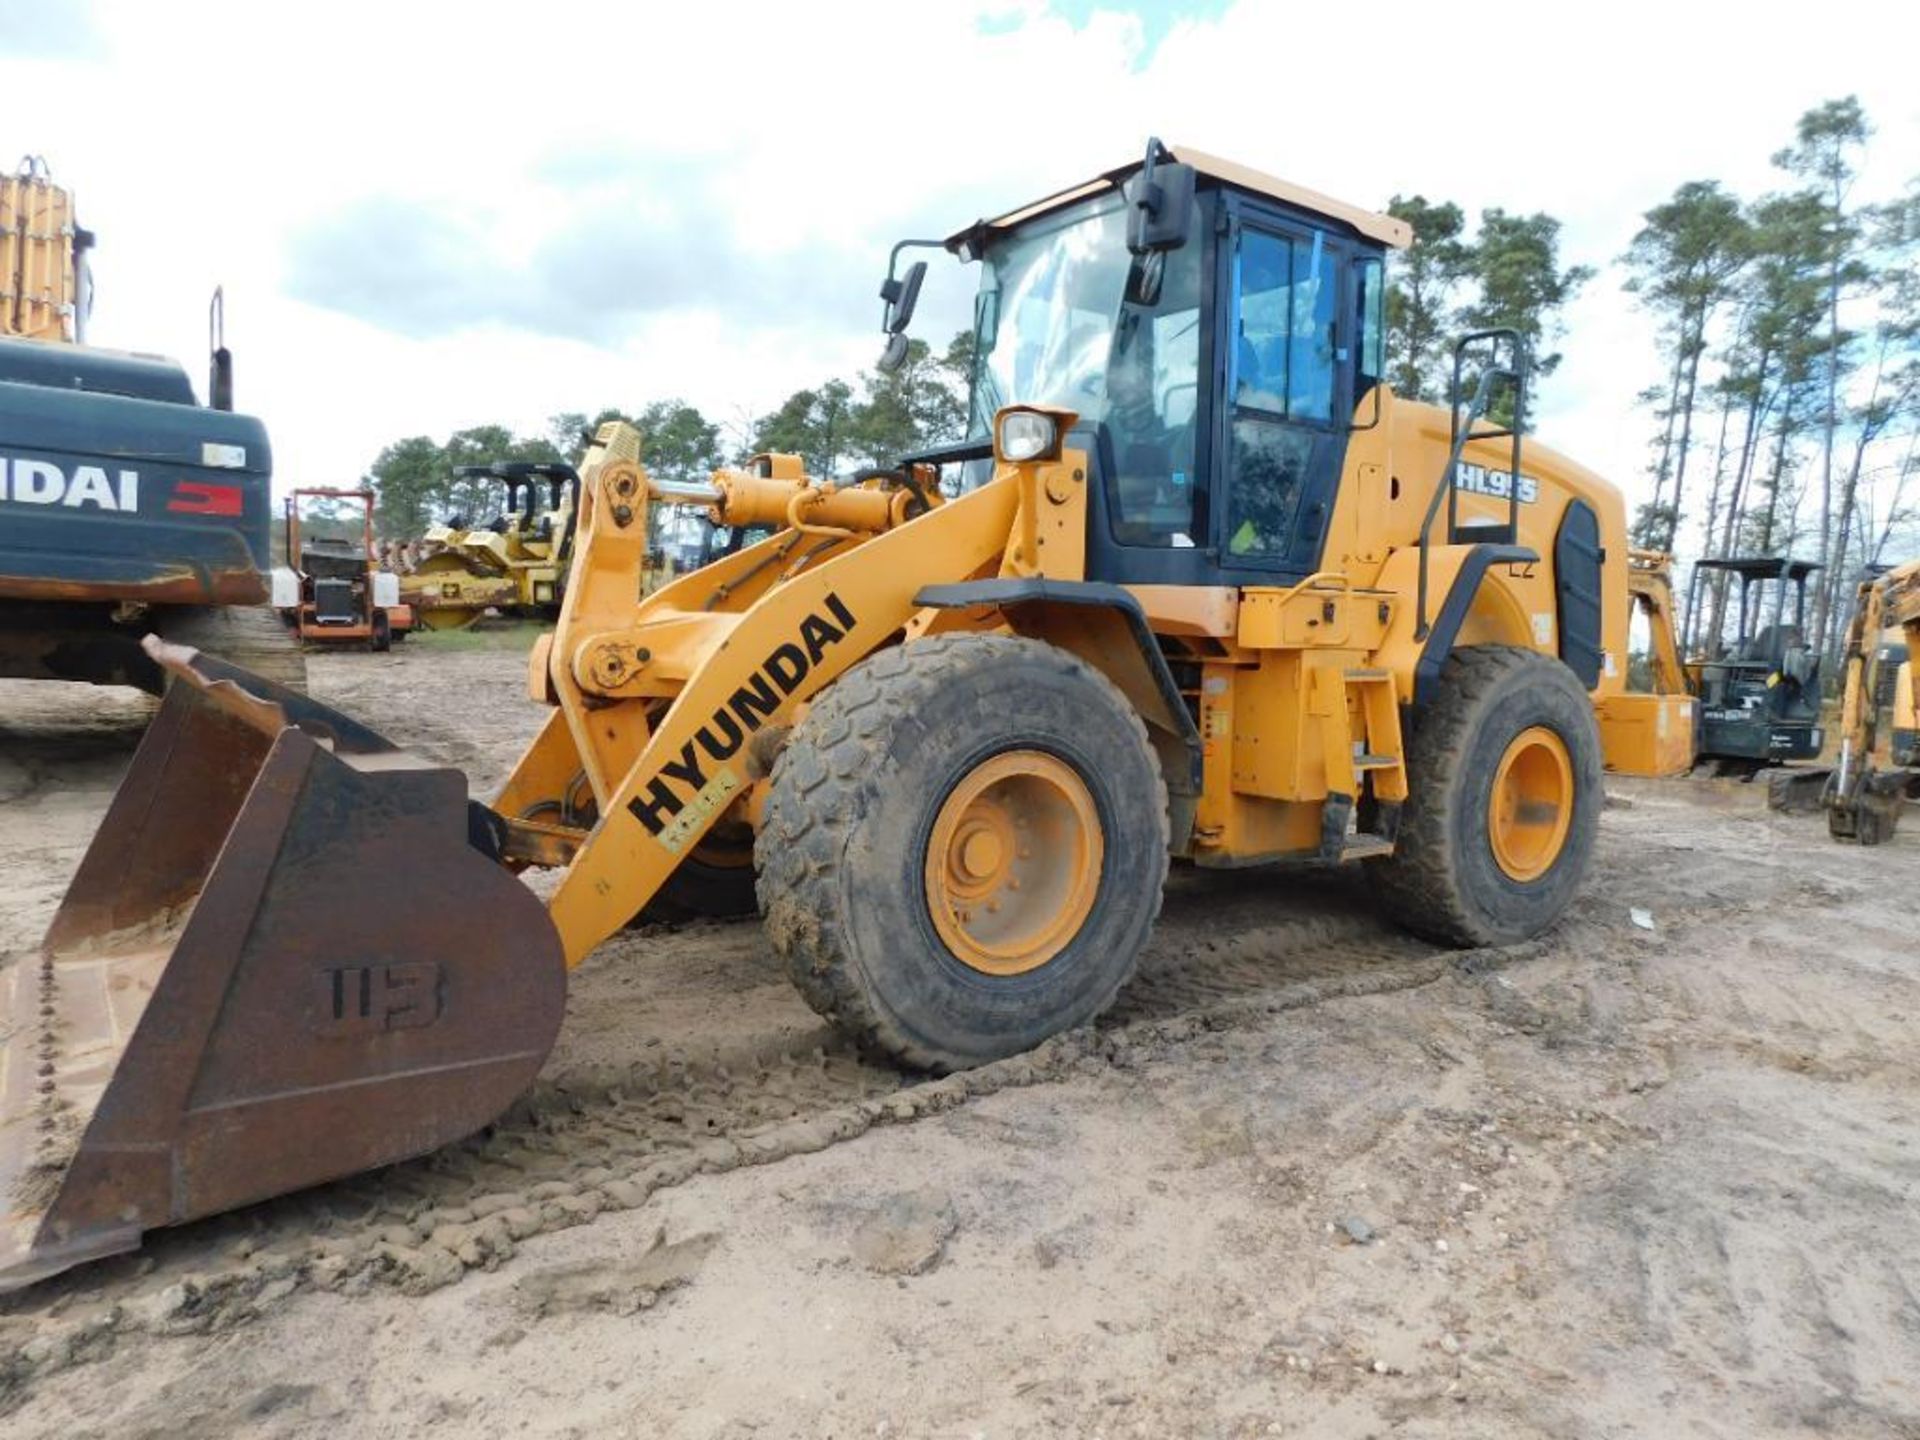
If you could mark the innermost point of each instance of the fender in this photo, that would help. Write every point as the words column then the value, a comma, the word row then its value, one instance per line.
column 1453, row 611
column 1127, row 654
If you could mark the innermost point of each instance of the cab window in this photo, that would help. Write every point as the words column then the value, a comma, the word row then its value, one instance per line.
column 1153, row 391
column 1285, row 291
column 1282, row 379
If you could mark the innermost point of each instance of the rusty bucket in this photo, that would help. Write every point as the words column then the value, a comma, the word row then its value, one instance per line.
column 289, row 955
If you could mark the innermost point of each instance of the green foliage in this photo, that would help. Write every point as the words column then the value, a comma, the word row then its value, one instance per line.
column 409, row 476
column 1515, row 264
column 811, row 424
column 679, row 444
column 1682, row 265
column 1422, row 296
column 1508, row 274
column 836, row 428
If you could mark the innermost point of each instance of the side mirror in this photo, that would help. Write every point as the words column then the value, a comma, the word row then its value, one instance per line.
column 895, row 355
column 901, row 296
column 1159, row 202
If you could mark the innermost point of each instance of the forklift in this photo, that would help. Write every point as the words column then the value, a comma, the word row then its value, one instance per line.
column 1760, row 691
column 333, row 593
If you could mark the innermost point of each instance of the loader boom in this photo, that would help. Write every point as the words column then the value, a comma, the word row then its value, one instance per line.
column 657, row 790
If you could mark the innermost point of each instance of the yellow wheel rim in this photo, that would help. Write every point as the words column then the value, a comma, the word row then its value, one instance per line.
column 1531, row 809
column 1013, row 862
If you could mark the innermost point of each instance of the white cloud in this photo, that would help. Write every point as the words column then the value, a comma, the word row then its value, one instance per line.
column 614, row 204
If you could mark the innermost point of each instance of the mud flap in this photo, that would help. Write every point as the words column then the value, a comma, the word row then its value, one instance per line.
column 282, row 961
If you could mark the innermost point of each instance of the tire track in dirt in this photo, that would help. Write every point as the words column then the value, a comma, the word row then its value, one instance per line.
column 592, row 1138
column 578, row 1145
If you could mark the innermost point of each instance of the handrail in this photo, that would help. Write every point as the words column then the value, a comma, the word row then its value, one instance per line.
column 1462, row 433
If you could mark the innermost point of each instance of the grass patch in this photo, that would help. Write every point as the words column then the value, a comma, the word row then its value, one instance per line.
column 492, row 633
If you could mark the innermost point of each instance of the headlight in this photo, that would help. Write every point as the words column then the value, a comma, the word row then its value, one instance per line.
column 1026, row 435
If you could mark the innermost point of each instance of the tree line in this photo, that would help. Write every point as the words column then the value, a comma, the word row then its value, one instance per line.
column 1785, row 413
column 836, row 426
column 1787, row 406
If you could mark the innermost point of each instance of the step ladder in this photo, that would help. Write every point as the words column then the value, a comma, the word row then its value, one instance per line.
column 1370, row 761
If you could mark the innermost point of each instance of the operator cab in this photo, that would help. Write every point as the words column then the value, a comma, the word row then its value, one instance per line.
column 1217, row 370
column 1760, row 686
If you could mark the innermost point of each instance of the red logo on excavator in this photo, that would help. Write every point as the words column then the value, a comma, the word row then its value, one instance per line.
column 196, row 497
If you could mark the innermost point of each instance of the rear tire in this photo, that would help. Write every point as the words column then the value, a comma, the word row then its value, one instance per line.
column 382, row 638
column 1460, row 873
column 980, row 794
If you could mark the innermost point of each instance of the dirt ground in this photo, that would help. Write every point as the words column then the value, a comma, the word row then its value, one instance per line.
column 1310, row 1178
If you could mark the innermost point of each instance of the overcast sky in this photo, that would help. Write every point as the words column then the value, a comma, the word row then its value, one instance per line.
column 428, row 216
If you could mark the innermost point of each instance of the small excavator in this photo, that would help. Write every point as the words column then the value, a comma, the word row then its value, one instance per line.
column 1863, row 799
column 1199, row 588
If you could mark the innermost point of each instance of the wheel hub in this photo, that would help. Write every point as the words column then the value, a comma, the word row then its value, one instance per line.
column 1013, row 862
column 1530, row 810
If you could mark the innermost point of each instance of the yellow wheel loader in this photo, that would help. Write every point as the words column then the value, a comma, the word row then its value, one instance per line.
column 1201, row 590
column 515, row 562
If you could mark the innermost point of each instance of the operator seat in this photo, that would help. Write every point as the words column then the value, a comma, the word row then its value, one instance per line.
column 1773, row 642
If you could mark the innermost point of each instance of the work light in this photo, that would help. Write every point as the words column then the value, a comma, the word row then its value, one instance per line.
column 1027, row 435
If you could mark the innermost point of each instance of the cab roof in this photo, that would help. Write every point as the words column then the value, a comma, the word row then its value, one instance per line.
column 1764, row 567
column 1369, row 223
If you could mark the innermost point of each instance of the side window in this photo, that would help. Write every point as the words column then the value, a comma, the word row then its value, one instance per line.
column 1285, row 294
column 1152, row 388
column 1283, row 376
column 1373, row 320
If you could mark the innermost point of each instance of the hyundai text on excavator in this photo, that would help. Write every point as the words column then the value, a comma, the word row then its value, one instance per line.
column 1201, row 588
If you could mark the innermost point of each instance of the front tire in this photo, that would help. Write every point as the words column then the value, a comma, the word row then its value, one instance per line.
column 1505, row 791
column 964, row 848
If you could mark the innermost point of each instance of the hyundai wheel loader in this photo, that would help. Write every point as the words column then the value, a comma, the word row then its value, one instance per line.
column 1201, row 590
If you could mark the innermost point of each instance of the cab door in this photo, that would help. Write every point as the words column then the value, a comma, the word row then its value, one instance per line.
column 1281, row 436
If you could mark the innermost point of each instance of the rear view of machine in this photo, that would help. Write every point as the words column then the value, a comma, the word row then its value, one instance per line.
column 1760, row 691
column 129, row 507
column 334, row 592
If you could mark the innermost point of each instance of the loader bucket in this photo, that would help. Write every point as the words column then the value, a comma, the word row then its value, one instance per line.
column 283, row 960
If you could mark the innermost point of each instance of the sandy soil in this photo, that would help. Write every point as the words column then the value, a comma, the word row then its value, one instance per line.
column 1311, row 1178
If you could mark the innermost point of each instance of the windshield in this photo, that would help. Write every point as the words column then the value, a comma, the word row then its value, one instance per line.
column 1067, row 316
column 1044, row 318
